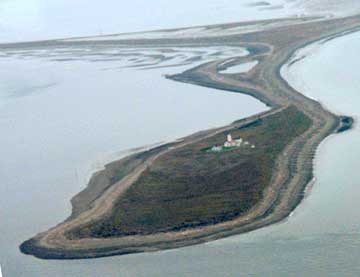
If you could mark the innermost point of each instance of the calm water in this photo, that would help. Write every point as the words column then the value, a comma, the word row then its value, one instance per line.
column 42, row 19
column 57, row 129
column 320, row 239
column 322, row 236
column 241, row 68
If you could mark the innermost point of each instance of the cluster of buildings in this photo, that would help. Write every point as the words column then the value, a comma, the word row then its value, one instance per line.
column 231, row 143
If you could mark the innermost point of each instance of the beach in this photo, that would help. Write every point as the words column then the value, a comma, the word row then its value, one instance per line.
column 264, row 82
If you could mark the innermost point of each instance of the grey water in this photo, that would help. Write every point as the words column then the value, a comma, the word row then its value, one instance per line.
column 58, row 129
column 241, row 68
column 22, row 20
column 321, row 238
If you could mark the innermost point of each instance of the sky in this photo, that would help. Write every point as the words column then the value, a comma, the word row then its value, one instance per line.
column 23, row 20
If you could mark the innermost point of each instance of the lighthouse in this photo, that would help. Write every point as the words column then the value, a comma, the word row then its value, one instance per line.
column 232, row 143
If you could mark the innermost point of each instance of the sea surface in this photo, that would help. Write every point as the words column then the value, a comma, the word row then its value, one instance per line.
column 59, row 129
column 62, row 119
column 24, row 20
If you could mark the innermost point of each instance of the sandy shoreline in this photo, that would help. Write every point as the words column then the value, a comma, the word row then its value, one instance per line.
column 294, row 169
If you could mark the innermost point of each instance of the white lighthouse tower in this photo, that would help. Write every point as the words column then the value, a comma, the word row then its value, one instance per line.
column 232, row 143
column 229, row 141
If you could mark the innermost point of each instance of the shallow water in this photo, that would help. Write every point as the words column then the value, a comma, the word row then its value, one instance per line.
column 58, row 129
column 321, row 238
column 332, row 206
column 23, row 20
column 240, row 68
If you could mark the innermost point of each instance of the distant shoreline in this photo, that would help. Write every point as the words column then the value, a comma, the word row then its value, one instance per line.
column 293, row 172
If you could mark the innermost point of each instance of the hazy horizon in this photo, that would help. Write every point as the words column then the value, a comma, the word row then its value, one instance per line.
column 25, row 20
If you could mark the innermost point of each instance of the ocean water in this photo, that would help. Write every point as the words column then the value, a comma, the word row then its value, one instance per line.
column 334, row 81
column 61, row 121
column 40, row 19
column 64, row 113
column 321, row 238
column 23, row 20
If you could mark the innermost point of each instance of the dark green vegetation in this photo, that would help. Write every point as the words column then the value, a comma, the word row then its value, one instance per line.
column 346, row 123
column 104, row 179
column 188, row 188
column 171, row 187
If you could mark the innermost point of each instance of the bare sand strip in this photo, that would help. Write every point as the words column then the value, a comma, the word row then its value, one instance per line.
column 293, row 170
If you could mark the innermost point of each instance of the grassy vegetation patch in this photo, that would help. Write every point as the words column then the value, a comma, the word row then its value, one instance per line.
column 190, row 187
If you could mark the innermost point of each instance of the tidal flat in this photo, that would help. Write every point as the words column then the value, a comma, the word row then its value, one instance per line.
column 292, row 169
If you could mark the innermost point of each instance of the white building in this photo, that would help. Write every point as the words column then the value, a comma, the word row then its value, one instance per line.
column 216, row 149
column 232, row 143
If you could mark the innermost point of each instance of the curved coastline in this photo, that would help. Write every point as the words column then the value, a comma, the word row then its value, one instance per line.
column 292, row 174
